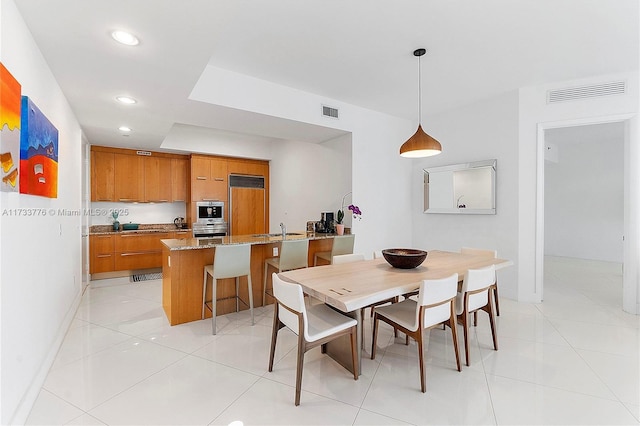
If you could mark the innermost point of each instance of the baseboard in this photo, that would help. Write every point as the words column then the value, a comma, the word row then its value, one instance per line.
column 28, row 400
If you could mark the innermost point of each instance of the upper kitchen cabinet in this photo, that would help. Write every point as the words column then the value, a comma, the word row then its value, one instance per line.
column 102, row 169
column 209, row 177
column 241, row 166
column 157, row 179
column 128, row 177
column 179, row 179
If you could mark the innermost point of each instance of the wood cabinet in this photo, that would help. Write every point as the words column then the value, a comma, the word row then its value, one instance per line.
column 157, row 179
column 128, row 178
column 101, row 253
column 139, row 250
column 209, row 178
column 179, row 179
column 125, row 175
column 102, row 176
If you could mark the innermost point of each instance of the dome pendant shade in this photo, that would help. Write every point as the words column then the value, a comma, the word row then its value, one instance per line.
column 420, row 145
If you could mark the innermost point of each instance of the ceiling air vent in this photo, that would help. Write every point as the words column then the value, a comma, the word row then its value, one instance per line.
column 584, row 92
column 329, row 112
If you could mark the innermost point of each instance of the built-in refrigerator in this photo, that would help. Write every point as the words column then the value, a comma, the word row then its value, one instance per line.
column 247, row 205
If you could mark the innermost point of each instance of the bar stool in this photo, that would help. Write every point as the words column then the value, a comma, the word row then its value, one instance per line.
column 293, row 255
column 341, row 245
column 229, row 261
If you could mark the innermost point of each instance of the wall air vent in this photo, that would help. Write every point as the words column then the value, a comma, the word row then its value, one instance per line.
column 329, row 112
column 585, row 92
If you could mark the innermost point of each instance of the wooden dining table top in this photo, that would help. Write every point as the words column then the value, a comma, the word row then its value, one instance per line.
column 355, row 285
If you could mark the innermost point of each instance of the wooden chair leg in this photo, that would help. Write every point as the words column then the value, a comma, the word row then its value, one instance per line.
column 301, row 350
column 454, row 334
column 423, row 380
column 274, row 336
column 492, row 321
column 465, row 328
column 375, row 337
column 496, row 299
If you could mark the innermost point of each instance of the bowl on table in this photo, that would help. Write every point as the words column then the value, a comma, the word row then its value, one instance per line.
column 404, row 258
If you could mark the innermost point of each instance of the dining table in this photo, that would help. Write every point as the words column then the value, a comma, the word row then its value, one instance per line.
column 349, row 287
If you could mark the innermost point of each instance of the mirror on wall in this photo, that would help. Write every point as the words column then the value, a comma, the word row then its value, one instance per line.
column 468, row 188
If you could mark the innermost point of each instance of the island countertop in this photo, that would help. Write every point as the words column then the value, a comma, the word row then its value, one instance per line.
column 184, row 260
column 203, row 243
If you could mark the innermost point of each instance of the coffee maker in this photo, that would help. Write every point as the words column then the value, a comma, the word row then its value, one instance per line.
column 326, row 224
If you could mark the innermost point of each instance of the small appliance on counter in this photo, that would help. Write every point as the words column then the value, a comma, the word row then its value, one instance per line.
column 180, row 223
column 326, row 223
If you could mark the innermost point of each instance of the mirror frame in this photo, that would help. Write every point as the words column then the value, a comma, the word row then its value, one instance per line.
column 458, row 167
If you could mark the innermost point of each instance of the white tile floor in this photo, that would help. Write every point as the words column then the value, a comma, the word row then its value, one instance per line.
column 573, row 359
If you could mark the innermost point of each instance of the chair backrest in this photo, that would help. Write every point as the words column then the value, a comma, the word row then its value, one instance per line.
column 232, row 260
column 475, row 251
column 347, row 258
column 476, row 279
column 291, row 296
column 377, row 254
column 342, row 244
column 434, row 292
column 294, row 254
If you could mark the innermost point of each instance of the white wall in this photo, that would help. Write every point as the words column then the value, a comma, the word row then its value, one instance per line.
column 482, row 131
column 584, row 199
column 41, row 262
column 307, row 179
column 536, row 114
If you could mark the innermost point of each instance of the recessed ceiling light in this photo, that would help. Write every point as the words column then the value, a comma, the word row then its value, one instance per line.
column 124, row 129
column 126, row 100
column 125, row 38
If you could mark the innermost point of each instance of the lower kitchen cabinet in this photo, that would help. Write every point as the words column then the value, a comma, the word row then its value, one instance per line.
column 101, row 253
column 129, row 251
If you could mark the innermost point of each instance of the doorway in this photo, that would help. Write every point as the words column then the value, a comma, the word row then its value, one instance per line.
column 615, row 128
column 584, row 208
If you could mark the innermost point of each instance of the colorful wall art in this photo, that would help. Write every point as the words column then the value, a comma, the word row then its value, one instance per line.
column 38, row 152
column 10, row 91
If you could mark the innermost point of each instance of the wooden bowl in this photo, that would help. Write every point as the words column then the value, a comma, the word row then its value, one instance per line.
column 404, row 258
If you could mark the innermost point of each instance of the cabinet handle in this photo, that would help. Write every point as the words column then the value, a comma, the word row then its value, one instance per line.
column 104, row 199
column 201, row 178
column 103, row 255
column 219, row 179
column 210, row 199
column 134, row 253
column 125, row 199
column 102, row 236
column 184, row 201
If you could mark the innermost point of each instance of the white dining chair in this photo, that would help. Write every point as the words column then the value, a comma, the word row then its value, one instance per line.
column 342, row 244
column 494, row 288
column 229, row 261
column 473, row 297
column 314, row 325
column 435, row 305
column 293, row 255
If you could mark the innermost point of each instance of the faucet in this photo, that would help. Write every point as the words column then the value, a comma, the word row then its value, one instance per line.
column 284, row 230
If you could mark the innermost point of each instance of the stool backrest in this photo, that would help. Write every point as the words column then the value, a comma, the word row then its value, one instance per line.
column 294, row 254
column 342, row 244
column 232, row 260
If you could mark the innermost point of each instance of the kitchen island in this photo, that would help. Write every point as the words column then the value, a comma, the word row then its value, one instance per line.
column 183, row 262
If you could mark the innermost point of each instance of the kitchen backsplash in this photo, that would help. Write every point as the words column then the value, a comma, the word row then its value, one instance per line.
column 136, row 212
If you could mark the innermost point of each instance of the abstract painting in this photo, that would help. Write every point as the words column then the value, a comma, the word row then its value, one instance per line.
column 10, row 91
column 38, row 152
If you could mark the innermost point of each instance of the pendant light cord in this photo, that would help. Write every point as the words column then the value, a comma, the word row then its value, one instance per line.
column 420, row 90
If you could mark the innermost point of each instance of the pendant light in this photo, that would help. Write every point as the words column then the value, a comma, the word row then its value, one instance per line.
column 420, row 144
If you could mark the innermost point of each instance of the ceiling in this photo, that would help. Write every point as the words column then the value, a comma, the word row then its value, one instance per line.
column 356, row 51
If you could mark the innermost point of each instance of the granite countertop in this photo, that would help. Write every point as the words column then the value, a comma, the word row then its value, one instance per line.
column 143, row 228
column 202, row 243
